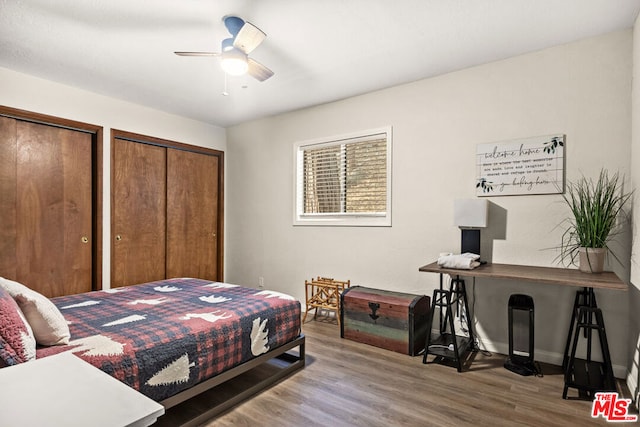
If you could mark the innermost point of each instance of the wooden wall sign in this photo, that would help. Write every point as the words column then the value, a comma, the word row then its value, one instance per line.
column 521, row 166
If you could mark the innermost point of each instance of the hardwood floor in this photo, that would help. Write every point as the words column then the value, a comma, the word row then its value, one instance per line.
column 351, row 384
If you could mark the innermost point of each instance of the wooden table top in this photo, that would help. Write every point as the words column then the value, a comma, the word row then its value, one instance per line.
column 551, row 275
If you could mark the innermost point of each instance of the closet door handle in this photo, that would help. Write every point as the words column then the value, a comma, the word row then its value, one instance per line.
column 84, row 239
column 118, row 237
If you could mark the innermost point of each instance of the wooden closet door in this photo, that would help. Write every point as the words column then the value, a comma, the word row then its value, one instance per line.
column 47, row 207
column 138, row 204
column 192, row 215
column 8, row 212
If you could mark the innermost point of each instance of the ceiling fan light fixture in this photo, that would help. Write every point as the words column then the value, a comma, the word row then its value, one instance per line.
column 234, row 62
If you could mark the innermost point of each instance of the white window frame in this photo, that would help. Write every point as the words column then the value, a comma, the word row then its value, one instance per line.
column 379, row 219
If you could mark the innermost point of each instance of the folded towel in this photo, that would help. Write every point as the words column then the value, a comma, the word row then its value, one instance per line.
column 465, row 261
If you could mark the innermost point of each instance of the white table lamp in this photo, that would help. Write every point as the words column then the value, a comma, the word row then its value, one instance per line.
column 470, row 215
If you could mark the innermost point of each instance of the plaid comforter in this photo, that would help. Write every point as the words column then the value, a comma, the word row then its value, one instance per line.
column 164, row 337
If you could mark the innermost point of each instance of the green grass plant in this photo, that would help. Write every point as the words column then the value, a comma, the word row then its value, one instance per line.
column 595, row 207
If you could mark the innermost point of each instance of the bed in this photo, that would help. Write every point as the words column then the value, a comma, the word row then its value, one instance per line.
column 175, row 338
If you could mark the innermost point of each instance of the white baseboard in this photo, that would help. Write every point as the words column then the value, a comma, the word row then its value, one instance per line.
column 552, row 358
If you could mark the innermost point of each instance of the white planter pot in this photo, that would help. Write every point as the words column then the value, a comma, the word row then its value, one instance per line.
column 592, row 259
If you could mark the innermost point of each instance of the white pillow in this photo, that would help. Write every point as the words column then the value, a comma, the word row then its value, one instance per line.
column 48, row 324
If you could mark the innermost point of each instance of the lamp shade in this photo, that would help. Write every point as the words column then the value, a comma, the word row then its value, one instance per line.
column 470, row 213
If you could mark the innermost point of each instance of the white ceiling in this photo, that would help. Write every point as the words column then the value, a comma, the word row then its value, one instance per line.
column 320, row 50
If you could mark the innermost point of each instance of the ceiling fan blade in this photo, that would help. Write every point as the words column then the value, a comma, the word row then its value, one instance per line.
column 197, row 53
column 248, row 38
column 258, row 71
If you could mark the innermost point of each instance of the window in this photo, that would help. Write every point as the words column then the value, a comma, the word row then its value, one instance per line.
column 344, row 180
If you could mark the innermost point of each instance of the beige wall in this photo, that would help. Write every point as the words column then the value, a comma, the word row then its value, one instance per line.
column 633, row 379
column 581, row 89
column 45, row 97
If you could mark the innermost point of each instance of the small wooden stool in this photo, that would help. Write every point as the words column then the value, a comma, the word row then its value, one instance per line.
column 324, row 293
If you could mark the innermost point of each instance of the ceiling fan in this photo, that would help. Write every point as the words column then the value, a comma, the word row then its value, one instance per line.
column 235, row 50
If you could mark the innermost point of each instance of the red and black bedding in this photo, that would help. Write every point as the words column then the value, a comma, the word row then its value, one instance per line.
column 164, row 337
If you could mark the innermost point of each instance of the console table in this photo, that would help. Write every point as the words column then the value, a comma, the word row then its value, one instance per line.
column 586, row 375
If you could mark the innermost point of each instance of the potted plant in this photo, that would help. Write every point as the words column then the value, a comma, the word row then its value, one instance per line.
column 595, row 207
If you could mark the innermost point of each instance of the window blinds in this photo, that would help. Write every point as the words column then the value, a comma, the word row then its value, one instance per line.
column 348, row 176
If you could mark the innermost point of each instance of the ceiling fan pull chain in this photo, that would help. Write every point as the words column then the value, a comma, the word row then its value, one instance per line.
column 225, row 92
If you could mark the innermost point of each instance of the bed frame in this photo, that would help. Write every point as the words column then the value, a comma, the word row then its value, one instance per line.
column 287, row 363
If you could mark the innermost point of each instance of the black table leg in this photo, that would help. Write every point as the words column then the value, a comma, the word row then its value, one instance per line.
column 448, row 344
column 586, row 375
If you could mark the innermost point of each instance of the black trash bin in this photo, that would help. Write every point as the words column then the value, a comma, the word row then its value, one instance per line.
column 521, row 334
